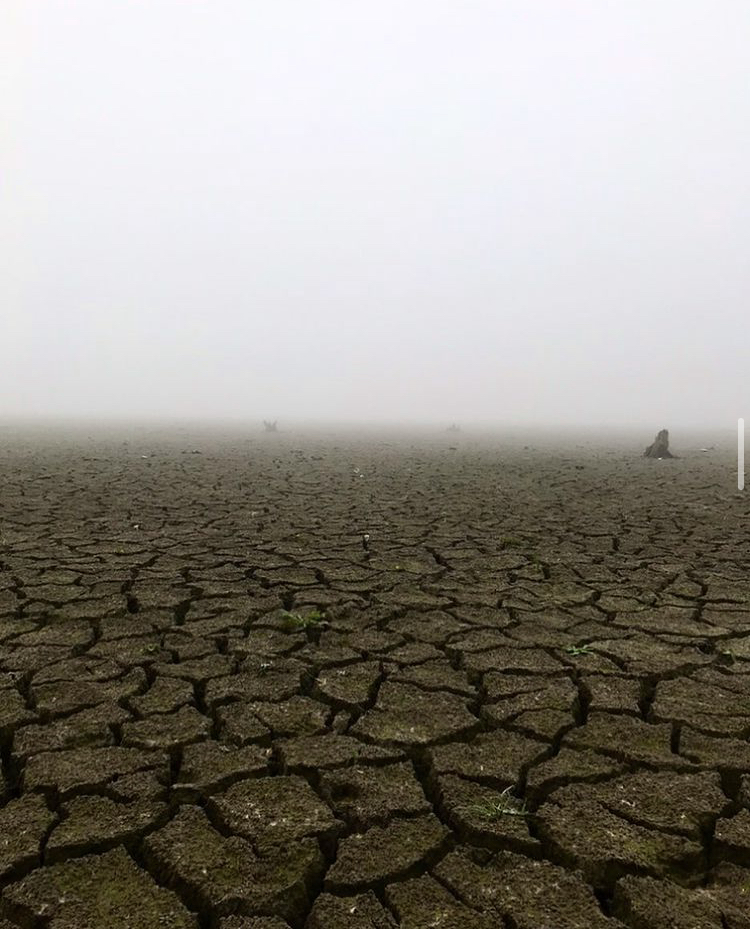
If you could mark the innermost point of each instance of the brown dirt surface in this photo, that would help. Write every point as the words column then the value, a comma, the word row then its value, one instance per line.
column 524, row 704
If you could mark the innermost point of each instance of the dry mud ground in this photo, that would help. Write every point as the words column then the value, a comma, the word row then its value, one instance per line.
column 527, row 705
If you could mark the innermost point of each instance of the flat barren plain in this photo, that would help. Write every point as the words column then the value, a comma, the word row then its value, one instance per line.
column 364, row 682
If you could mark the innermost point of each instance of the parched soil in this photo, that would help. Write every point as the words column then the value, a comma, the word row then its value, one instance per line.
column 338, row 682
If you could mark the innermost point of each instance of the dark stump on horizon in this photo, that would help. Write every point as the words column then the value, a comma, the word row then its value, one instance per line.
column 659, row 448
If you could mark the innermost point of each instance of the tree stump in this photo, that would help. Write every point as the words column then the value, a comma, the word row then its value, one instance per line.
column 659, row 448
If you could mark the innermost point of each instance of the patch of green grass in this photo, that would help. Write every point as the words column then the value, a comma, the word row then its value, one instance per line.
column 579, row 651
column 505, row 804
column 509, row 541
column 293, row 622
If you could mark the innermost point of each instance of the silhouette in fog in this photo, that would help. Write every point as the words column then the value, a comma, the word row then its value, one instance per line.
column 659, row 448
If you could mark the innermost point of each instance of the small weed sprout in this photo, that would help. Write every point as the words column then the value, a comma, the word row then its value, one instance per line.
column 579, row 651
column 293, row 622
column 505, row 805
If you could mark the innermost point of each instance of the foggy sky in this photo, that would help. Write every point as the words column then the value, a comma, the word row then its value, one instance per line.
column 525, row 211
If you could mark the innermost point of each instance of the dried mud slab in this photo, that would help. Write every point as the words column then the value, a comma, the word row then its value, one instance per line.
column 350, row 686
column 435, row 675
column 732, row 838
column 495, row 758
column 297, row 716
column 165, row 695
column 550, row 694
column 366, row 796
column 87, row 770
column 529, row 893
column 704, row 707
column 511, row 659
column 679, row 803
column 94, row 824
column 95, row 891
column 363, row 911
column 167, row 731
column 208, row 767
column 646, row 903
column 274, row 811
column 408, row 716
column 613, row 694
column 423, row 903
column 92, row 727
column 584, row 835
column 626, row 738
column 24, row 824
column 62, row 698
column 729, row 885
column 728, row 755
column 224, row 876
column 569, row 766
column 385, row 853
column 252, row 922
column 13, row 711
column 482, row 816
column 238, row 725
column 273, row 681
column 319, row 753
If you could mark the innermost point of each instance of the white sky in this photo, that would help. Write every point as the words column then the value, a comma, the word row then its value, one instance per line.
column 529, row 211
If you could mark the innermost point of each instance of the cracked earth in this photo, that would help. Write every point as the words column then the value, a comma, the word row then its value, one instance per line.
column 523, row 703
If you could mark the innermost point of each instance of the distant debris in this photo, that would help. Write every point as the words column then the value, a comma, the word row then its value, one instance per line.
column 454, row 427
column 269, row 426
column 659, row 448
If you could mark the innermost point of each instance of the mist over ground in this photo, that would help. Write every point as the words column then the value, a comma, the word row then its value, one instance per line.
column 465, row 640
column 486, row 213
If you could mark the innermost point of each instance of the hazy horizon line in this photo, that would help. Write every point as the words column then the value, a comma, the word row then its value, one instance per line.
column 287, row 423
